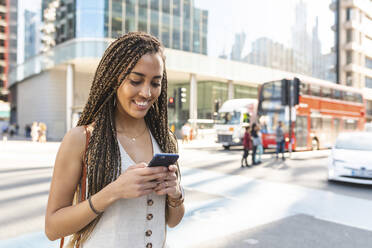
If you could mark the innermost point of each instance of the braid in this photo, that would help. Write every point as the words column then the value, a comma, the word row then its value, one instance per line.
column 103, row 155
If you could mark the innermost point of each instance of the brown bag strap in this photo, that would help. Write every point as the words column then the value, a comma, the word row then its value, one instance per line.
column 83, row 174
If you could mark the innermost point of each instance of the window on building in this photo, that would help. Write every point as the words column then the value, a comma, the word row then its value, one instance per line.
column 166, row 6
column 142, row 15
column 196, row 31
column 154, row 24
column 368, row 82
column 116, row 20
column 176, row 7
column 349, row 57
column 1, row 69
column 176, row 34
column 349, row 78
column 368, row 63
column 186, row 9
column 2, row 56
column 154, row 5
column 165, row 30
column 348, row 14
column 129, row 15
column 70, row 8
column 349, row 35
column 360, row 38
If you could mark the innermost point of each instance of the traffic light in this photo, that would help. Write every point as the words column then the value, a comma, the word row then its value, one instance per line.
column 181, row 96
column 296, row 91
column 285, row 87
column 171, row 102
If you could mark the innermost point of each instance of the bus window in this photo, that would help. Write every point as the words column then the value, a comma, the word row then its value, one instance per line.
column 316, row 123
column 326, row 92
column 349, row 96
column 350, row 124
column 326, row 124
column 358, row 97
column 338, row 94
column 336, row 128
column 271, row 90
column 304, row 89
column 315, row 90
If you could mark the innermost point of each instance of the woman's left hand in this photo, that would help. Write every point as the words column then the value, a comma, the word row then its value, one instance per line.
column 170, row 184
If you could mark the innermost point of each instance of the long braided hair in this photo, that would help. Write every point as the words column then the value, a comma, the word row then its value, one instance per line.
column 103, row 155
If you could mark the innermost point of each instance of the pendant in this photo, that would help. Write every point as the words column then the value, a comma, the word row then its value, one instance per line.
column 133, row 139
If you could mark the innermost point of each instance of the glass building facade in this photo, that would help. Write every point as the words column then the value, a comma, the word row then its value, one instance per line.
column 178, row 24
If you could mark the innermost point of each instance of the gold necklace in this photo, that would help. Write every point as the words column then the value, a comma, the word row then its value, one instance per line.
column 133, row 139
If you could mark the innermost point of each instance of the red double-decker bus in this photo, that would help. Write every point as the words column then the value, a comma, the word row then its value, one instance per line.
column 324, row 109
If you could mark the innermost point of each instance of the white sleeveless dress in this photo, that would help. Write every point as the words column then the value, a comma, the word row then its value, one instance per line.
column 131, row 223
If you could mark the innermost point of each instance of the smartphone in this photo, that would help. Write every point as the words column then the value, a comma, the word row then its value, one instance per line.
column 163, row 159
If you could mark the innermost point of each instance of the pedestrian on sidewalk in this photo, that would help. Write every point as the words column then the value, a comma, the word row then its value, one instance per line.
column 255, row 143
column 186, row 133
column 35, row 131
column 259, row 146
column 280, row 141
column 102, row 163
column 247, row 145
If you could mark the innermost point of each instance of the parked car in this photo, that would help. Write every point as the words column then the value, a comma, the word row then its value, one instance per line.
column 368, row 127
column 351, row 158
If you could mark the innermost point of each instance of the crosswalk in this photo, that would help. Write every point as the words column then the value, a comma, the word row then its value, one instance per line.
column 245, row 203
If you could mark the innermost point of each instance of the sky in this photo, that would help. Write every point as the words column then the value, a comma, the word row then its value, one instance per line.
column 270, row 18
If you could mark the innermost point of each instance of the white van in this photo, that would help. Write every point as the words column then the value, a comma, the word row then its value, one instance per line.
column 233, row 116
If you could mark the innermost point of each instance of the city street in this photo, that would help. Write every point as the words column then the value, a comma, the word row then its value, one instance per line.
column 275, row 204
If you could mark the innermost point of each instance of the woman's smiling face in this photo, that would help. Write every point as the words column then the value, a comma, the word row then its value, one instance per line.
column 141, row 87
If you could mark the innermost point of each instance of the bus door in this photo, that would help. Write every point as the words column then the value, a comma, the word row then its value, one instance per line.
column 301, row 131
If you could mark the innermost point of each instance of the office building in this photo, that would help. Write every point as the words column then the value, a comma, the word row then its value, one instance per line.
column 353, row 32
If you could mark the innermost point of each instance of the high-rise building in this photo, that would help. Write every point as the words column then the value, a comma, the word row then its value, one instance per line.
column 3, row 48
column 353, row 31
column 301, row 40
column 238, row 46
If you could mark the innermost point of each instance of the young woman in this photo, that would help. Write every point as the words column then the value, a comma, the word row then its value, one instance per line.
column 124, row 123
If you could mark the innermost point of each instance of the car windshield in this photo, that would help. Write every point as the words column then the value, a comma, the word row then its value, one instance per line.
column 354, row 141
column 228, row 118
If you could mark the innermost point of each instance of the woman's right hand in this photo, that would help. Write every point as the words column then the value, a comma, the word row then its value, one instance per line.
column 138, row 180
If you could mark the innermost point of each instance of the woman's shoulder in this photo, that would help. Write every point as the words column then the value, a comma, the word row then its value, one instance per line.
column 75, row 137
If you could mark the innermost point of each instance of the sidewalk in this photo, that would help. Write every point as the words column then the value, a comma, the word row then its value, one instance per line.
column 206, row 142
